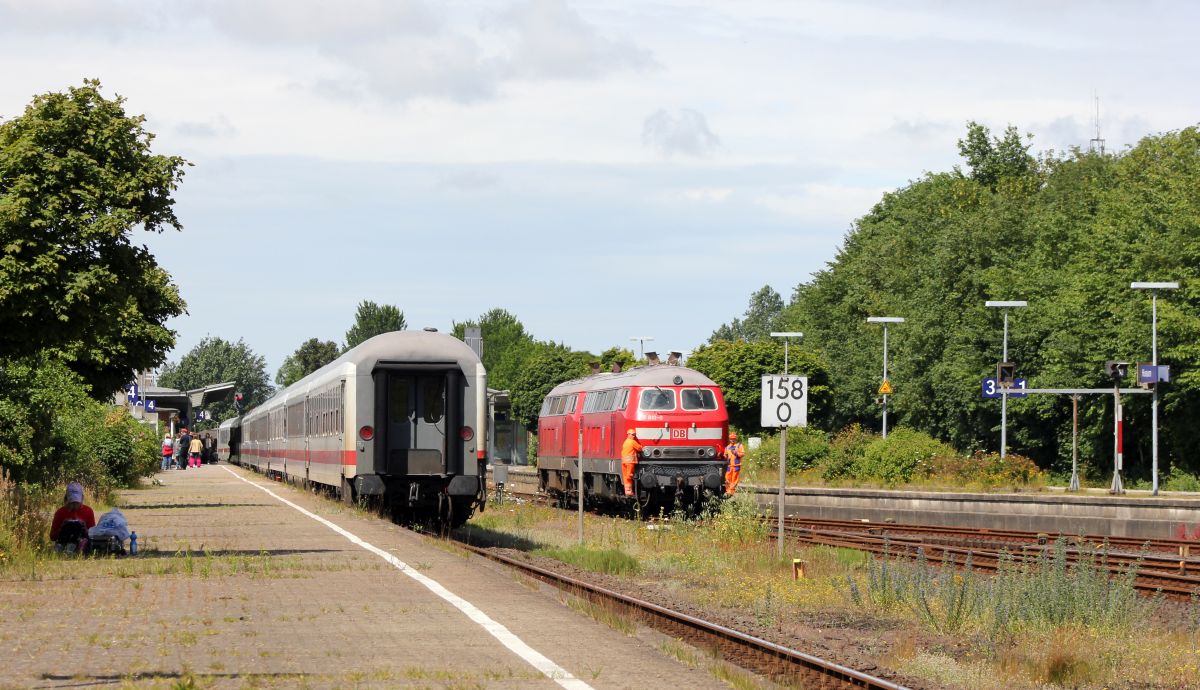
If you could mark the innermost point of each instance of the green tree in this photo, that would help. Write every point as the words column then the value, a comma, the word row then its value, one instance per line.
column 51, row 431
column 372, row 319
column 76, row 179
column 506, row 346
column 737, row 366
column 214, row 360
column 547, row 365
column 310, row 356
column 759, row 320
column 994, row 159
column 1066, row 232
column 616, row 355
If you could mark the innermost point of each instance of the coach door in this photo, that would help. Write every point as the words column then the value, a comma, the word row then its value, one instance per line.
column 416, row 428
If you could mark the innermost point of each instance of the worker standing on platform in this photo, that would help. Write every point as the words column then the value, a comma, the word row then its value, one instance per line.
column 734, row 452
column 629, row 458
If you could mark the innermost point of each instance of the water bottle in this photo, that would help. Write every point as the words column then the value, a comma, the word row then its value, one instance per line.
column 133, row 544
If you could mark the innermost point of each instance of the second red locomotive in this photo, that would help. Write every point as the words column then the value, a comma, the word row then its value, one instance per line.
column 680, row 419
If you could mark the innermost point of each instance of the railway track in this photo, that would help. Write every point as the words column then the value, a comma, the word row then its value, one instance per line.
column 1172, row 577
column 755, row 654
column 1163, row 565
column 1013, row 537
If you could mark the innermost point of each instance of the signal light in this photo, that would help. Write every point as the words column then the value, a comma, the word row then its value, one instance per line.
column 466, row 433
column 366, row 433
column 1116, row 370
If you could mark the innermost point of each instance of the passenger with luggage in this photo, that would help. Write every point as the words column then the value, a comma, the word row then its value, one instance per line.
column 69, row 528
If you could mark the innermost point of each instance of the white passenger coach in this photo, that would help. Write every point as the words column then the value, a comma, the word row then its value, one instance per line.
column 401, row 417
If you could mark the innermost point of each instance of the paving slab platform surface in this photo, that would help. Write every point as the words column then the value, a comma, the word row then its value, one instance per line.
column 235, row 589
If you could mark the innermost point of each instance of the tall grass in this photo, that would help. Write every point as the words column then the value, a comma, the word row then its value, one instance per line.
column 1040, row 593
column 25, row 512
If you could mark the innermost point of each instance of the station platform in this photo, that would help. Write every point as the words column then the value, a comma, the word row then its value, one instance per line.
column 1169, row 515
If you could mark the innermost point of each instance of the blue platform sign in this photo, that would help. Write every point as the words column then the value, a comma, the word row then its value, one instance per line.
column 1148, row 373
column 991, row 389
column 152, row 405
column 200, row 416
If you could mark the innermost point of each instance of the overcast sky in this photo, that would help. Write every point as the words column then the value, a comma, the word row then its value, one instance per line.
column 600, row 169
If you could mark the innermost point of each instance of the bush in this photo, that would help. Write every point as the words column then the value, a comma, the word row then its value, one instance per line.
column 806, row 447
column 845, row 450
column 988, row 470
column 905, row 455
column 1179, row 480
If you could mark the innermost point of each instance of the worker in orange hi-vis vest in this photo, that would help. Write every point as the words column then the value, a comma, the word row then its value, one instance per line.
column 734, row 452
column 629, row 458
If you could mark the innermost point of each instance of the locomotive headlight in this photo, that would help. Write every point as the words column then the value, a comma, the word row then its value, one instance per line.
column 647, row 451
column 366, row 433
column 711, row 452
column 466, row 433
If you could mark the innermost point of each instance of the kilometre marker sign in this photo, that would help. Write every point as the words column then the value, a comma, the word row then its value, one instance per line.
column 784, row 401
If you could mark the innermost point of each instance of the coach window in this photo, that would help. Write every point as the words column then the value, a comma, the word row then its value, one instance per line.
column 697, row 399
column 658, row 399
column 434, row 397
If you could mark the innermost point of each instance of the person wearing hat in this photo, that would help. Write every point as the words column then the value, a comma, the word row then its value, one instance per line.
column 72, row 521
column 629, row 458
column 734, row 452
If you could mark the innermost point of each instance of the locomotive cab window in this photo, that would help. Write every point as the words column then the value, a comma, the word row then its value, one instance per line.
column 697, row 399
column 657, row 399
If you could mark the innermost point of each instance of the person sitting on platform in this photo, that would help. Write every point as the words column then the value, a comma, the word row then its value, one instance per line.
column 71, row 523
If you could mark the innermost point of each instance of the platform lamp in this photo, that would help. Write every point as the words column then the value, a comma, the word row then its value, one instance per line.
column 1005, row 305
column 1154, row 288
column 885, row 320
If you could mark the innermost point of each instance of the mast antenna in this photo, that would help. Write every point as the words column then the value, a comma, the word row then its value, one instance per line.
column 1097, row 142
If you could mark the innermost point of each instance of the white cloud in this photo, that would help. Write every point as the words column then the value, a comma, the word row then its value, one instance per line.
column 686, row 134
column 552, row 41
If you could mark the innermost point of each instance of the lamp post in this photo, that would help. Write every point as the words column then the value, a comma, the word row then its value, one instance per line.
column 641, row 341
column 885, row 320
column 1005, row 305
column 1154, row 288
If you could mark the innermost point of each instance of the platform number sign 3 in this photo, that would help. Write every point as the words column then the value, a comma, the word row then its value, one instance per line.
column 784, row 401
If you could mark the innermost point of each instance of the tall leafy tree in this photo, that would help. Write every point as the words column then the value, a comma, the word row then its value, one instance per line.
column 737, row 366
column 77, row 178
column 215, row 360
column 757, row 323
column 1066, row 232
column 506, row 345
column 616, row 355
column 371, row 319
column 547, row 365
column 310, row 356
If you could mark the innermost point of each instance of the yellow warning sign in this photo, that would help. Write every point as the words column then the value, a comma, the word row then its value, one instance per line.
column 885, row 388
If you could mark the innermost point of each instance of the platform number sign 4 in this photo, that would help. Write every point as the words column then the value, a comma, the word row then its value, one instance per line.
column 784, row 401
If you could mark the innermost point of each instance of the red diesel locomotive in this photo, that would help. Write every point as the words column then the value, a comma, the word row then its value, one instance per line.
column 681, row 421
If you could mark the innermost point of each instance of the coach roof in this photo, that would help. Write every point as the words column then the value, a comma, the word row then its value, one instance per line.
column 395, row 347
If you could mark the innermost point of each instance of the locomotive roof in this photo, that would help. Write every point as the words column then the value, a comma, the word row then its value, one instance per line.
column 649, row 375
column 396, row 346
